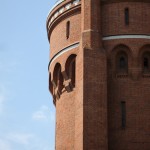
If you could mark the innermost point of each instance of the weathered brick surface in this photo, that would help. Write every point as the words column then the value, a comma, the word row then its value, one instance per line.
column 89, row 116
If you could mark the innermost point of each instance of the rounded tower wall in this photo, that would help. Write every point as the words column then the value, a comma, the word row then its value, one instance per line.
column 65, row 121
column 64, row 96
column 58, row 38
column 64, row 32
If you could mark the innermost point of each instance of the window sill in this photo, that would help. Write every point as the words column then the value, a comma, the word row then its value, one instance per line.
column 122, row 75
column 146, row 75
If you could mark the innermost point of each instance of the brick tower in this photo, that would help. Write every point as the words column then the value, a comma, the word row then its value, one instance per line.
column 99, row 74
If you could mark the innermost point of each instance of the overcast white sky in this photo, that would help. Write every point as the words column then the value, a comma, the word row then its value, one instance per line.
column 27, row 114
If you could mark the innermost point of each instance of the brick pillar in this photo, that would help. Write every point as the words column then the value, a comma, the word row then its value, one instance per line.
column 94, row 78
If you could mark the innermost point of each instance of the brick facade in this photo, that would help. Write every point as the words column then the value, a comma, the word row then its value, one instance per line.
column 99, row 74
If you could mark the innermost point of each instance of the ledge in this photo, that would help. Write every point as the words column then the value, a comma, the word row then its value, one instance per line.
column 129, row 36
column 64, row 50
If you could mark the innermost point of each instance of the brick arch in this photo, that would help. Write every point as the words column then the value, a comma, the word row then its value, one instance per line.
column 143, row 49
column 57, row 79
column 118, row 52
column 70, row 68
column 56, row 71
column 144, row 58
column 122, row 47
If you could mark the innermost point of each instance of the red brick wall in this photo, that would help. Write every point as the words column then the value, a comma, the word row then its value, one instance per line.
column 113, row 18
column 81, row 114
column 135, row 136
column 133, row 89
column 65, row 121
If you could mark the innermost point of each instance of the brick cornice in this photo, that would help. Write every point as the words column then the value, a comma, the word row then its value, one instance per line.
column 119, row 1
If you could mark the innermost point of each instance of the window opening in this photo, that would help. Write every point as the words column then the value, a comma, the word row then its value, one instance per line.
column 123, row 114
column 70, row 68
column 60, row 81
column 68, row 29
column 122, row 63
column 146, row 63
column 127, row 16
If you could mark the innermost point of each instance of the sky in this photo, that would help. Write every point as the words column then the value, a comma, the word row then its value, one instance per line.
column 27, row 113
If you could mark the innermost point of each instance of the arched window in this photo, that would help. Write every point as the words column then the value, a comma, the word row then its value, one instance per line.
column 60, row 81
column 122, row 62
column 57, row 77
column 71, row 68
column 67, row 29
column 146, row 62
column 56, row 73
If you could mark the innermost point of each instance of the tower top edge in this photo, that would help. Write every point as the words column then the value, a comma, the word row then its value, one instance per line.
column 56, row 4
column 59, row 8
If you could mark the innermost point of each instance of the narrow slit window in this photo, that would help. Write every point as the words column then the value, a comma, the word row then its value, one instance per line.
column 123, row 114
column 68, row 29
column 126, row 16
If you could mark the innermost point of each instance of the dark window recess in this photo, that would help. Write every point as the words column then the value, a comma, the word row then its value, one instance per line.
column 122, row 63
column 126, row 16
column 60, row 81
column 58, row 78
column 68, row 29
column 146, row 63
column 123, row 114
column 72, row 72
